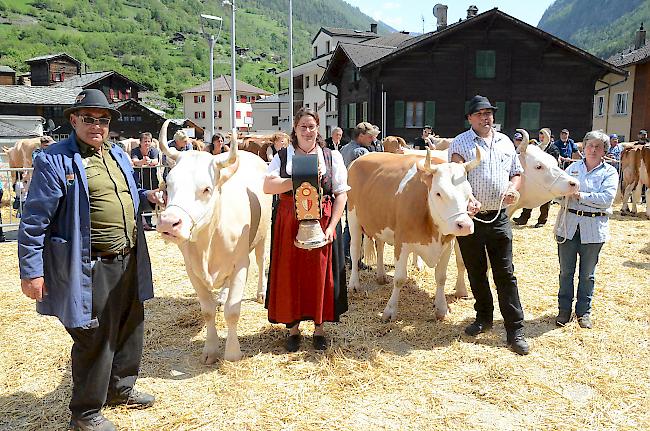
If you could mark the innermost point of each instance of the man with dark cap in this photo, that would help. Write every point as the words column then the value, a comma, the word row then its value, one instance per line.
column 83, row 256
column 495, row 183
column 568, row 149
column 643, row 137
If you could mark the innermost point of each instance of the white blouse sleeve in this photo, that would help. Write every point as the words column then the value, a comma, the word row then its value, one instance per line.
column 274, row 167
column 339, row 174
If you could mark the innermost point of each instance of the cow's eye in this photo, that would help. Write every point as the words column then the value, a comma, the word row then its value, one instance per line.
column 538, row 167
column 207, row 191
column 438, row 194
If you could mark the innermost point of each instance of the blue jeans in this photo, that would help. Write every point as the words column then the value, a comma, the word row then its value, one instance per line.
column 568, row 253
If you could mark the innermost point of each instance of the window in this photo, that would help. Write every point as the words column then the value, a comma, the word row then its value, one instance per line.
column 111, row 94
column 202, row 114
column 328, row 102
column 364, row 111
column 621, row 103
column 352, row 115
column 196, row 115
column 500, row 115
column 274, row 120
column 355, row 75
column 529, row 118
column 242, row 99
column 344, row 116
column 218, row 96
column 414, row 114
column 196, row 99
column 315, row 51
column 238, row 115
column 306, row 81
column 399, row 114
column 203, row 99
column 485, row 64
column 600, row 106
column 328, row 47
column 315, row 79
column 219, row 114
column 249, row 113
column 119, row 94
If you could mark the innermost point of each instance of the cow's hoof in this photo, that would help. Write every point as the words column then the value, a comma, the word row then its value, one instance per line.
column 261, row 298
column 461, row 295
column 233, row 357
column 382, row 279
column 354, row 288
column 388, row 315
column 209, row 358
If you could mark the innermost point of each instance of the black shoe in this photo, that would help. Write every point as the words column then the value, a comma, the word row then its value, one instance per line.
column 320, row 342
column 538, row 224
column 585, row 321
column 97, row 423
column 520, row 221
column 563, row 317
column 517, row 342
column 478, row 327
column 293, row 343
column 363, row 266
column 3, row 238
column 135, row 399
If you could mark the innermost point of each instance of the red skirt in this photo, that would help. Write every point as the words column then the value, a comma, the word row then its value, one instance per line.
column 301, row 282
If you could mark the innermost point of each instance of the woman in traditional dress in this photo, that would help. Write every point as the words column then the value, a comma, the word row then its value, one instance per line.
column 306, row 284
column 216, row 145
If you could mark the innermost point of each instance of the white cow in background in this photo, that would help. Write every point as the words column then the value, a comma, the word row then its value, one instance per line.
column 217, row 214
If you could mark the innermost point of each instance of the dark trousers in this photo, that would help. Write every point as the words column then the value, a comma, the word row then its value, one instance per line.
column 493, row 241
column 543, row 213
column 106, row 357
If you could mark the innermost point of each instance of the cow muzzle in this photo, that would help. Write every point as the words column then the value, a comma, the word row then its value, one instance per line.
column 171, row 227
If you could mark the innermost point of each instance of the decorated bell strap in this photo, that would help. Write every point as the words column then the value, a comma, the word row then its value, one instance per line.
column 306, row 187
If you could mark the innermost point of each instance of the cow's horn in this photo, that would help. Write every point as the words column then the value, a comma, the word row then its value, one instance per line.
column 524, row 142
column 427, row 163
column 474, row 163
column 232, row 156
column 172, row 153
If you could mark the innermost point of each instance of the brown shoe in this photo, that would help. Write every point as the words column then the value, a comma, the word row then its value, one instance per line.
column 97, row 423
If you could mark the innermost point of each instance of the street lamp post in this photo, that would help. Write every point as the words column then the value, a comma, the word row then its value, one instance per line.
column 233, row 79
column 211, row 42
column 290, row 62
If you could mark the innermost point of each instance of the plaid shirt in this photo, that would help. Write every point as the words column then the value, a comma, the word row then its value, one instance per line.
column 499, row 163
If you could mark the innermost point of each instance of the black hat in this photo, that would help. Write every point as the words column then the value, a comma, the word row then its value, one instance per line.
column 92, row 98
column 479, row 102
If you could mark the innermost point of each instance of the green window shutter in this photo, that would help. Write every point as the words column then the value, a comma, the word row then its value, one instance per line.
column 399, row 114
column 485, row 64
column 500, row 116
column 430, row 113
column 529, row 118
column 352, row 115
column 344, row 116
column 466, row 123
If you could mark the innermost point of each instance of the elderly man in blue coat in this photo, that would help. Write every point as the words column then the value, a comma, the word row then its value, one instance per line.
column 83, row 257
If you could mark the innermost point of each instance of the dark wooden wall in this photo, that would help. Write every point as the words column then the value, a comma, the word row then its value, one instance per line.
column 641, row 102
column 529, row 68
column 42, row 71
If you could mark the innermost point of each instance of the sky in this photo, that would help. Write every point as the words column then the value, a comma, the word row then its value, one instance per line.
column 407, row 14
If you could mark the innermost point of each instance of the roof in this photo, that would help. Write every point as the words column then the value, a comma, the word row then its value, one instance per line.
column 222, row 83
column 10, row 131
column 347, row 32
column 488, row 15
column 362, row 54
column 52, row 57
column 86, row 79
column 274, row 98
column 48, row 96
column 631, row 56
column 391, row 39
column 121, row 103
column 6, row 69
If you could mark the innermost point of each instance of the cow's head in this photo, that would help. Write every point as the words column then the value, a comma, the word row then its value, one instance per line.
column 193, row 190
column 543, row 179
column 448, row 194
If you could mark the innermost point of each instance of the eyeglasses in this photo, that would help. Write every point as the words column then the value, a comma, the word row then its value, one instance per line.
column 483, row 114
column 308, row 128
column 103, row 121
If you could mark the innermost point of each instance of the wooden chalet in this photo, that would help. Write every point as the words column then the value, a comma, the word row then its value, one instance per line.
column 53, row 68
column 401, row 82
column 7, row 76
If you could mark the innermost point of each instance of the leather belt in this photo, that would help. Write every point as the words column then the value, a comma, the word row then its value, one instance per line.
column 581, row 213
column 489, row 213
column 111, row 255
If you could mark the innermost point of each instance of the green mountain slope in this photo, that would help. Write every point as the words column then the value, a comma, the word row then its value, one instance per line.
column 133, row 37
column 602, row 27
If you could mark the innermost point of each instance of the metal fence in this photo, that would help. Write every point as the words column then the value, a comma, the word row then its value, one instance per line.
column 15, row 187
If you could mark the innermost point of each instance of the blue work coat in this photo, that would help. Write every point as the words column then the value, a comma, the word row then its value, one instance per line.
column 54, row 234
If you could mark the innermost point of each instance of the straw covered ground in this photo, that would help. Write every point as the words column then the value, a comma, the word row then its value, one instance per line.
column 415, row 373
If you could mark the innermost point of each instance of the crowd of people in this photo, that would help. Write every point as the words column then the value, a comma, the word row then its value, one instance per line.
column 84, row 259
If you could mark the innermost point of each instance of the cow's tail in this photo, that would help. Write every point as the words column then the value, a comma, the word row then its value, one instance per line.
column 369, row 251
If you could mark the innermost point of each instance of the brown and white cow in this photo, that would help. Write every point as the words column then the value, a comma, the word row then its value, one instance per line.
column 395, row 144
column 130, row 143
column 20, row 155
column 635, row 170
column 417, row 206
column 217, row 214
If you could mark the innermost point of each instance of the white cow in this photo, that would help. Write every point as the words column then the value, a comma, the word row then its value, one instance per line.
column 417, row 206
column 217, row 214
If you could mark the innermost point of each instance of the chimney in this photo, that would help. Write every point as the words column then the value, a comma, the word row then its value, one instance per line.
column 639, row 38
column 440, row 12
column 472, row 11
column 373, row 28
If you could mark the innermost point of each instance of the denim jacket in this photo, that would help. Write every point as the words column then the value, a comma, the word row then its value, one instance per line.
column 54, row 234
